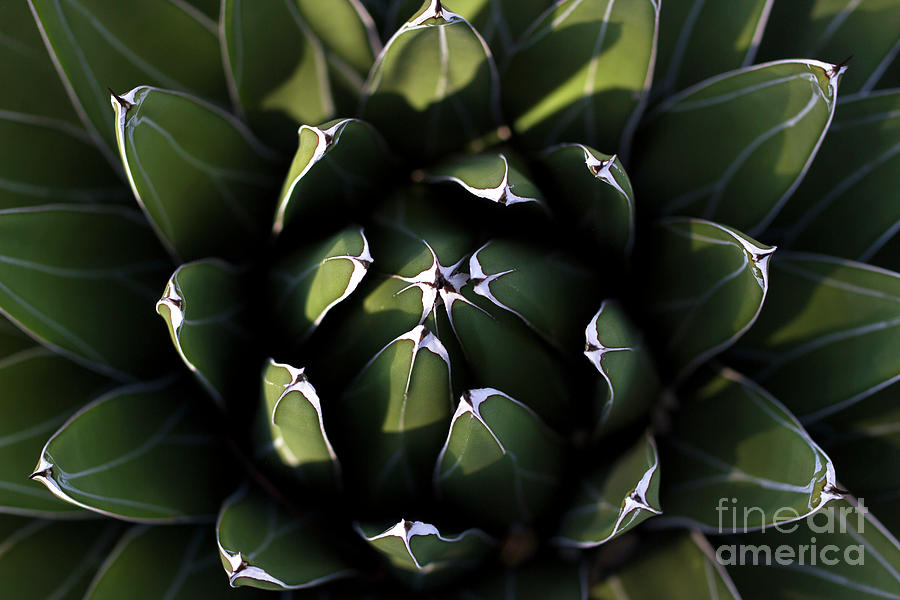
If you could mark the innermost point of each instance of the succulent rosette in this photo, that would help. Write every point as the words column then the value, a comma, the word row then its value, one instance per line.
column 477, row 299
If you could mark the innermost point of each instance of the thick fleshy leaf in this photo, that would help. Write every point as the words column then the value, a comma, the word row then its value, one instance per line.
column 296, row 61
column 890, row 78
column 80, row 174
column 536, row 580
column 699, row 39
column 51, row 559
column 435, row 85
column 417, row 238
column 501, row 22
column 842, row 552
column 37, row 95
column 12, row 340
column 420, row 549
column 264, row 547
column 762, row 126
column 628, row 384
column 501, row 350
column 389, row 15
column 829, row 316
column 107, row 278
column 867, row 433
column 294, row 426
column 548, row 291
column 312, row 281
column 707, row 286
column 40, row 391
column 344, row 155
column 412, row 283
column 500, row 462
column 97, row 46
column 592, row 189
column 834, row 30
column 841, row 208
column 175, row 146
column 140, row 453
column 394, row 415
column 680, row 568
column 190, row 571
column 487, row 176
column 384, row 310
column 616, row 500
column 601, row 71
column 766, row 471
column 36, row 113
column 204, row 307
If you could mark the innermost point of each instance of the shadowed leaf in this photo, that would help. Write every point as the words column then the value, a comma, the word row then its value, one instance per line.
column 734, row 147
column 175, row 146
column 140, row 453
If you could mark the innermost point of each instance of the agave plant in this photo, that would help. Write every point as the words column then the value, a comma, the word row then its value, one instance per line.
column 503, row 318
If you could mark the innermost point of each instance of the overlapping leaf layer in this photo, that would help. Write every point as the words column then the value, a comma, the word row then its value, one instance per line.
column 543, row 299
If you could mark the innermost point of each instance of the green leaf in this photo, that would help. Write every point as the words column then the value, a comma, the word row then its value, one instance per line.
column 416, row 237
column 296, row 61
column 890, row 77
column 827, row 316
column 264, row 547
column 679, row 568
column 345, row 154
column 708, row 285
column 40, row 391
column 628, row 384
column 79, row 174
column 843, row 552
column 867, row 433
column 536, row 580
column 834, row 30
column 36, row 114
column 174, row 146
column 295, row 428
column 12, row 340
column 132, row 566
column 537, row 286
column 204, row 307
column 840, row 209
column 487, row 176
column 602, row 53
column 420, row 548
column 734, row 148
column 107, row 278
column 98, row 45
column 501, row 22
column 209, row 8
column 435, row 85
column 51, row 559
column 766, row 471
column 500, row 462
column 413, row 282
column 140, row 453
column 501, row 350
column 313, row 280
column 37, row 94
column 383, row 310
column 699, row 39
column 593, row 190
column 394, row 415
column 389, row 15
column 615, row 500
